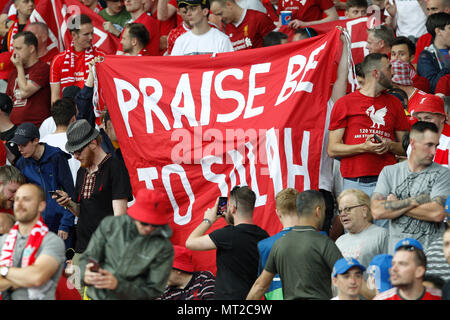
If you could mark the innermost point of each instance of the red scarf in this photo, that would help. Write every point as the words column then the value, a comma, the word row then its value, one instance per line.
column 68, row 68
column 12, row 32
column 34, row 241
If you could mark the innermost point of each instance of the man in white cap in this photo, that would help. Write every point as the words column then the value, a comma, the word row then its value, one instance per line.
column 130, row 256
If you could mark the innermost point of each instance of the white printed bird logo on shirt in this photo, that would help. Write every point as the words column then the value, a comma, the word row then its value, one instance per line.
column 377, row 117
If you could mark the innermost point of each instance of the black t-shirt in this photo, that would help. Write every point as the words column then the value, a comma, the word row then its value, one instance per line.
column 237, row 259
column 112, row 182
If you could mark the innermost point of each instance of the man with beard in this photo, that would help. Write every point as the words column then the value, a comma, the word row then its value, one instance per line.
column 31, row 257
column 102, row 187
column 408, row 269
column 237, row 252
column 411, row 194
column 135, row 38
column 367, row 127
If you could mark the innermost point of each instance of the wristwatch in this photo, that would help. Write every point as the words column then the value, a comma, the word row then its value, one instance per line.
column 4, row 271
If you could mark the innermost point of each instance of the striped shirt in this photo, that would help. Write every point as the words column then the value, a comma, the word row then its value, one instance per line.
column 436, row 263
column 201, row 287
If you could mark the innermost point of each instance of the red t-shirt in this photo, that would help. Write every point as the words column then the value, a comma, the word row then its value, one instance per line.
column 48, row 57
column 392, row 294
column 152, row 26
column 271, row 11
column 443, row 85
column 250, row 32
column 305, row 10
column 362, row 116
column 422, row 42
column 35, row 108
column 415, row 99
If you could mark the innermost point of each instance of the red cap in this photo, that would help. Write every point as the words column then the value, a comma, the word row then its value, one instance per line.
column 150, row 207
column 430, row 103
column 182, row 259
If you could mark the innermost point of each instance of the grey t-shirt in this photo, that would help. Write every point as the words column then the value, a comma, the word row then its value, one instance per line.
column 365, row 245
column 51, row 245
column 400, row 181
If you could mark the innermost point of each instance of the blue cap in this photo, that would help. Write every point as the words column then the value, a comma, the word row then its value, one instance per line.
column 379, row 269
column 342, row 265
column 408, row 242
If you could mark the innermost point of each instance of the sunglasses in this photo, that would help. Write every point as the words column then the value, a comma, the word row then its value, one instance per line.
column 144, row 224
column 79, row 151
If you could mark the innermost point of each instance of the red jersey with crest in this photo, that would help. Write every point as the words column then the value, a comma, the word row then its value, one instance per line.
column 250, row 31
column 305, row 10
column 362, row 116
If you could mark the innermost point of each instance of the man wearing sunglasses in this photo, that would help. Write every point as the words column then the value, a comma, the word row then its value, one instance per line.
column 133, row 252
column 408, row 269
column 102, row 187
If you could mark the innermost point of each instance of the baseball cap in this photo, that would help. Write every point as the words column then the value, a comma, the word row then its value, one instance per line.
column 408, row 242
column 70, row 91
column 24, row 133
column 430, row 103
column 402, row 73
column 184, row 3
column 379, row 269
column 344, row 264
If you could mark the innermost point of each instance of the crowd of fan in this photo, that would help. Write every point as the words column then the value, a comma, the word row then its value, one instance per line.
column 376, row 228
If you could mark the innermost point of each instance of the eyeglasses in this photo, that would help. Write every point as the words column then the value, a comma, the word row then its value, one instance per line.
column 348, row 209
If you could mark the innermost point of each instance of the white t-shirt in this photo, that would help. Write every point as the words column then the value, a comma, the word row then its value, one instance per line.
column 410, row 18
column 59, row 140
column 252, row 4
column 213, row 41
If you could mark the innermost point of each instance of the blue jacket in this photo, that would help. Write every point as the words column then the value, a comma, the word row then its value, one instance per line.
column 51, row 172
column 430, row 67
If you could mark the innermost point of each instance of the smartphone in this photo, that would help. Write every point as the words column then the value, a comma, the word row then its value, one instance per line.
column 96, row 265
column 377, row 138
column 54, row 193
column 222, row 206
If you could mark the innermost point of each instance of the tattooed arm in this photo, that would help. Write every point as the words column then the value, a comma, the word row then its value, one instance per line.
column 390, row 207
column 432, row 210
column 419, row 207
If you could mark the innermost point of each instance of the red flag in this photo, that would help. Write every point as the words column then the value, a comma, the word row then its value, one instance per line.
column 57, row 14
column 192, row 127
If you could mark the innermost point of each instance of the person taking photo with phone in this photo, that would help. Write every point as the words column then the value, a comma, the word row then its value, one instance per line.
column 129, row 257
column 236, row 244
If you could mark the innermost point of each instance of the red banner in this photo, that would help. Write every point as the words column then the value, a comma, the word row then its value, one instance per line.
column 58, row 13
column 193, row 127
column 357, row 29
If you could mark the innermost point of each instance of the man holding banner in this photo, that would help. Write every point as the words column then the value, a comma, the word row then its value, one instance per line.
column 71, row 67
